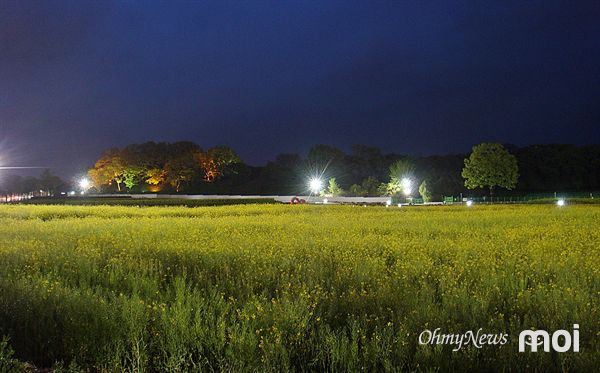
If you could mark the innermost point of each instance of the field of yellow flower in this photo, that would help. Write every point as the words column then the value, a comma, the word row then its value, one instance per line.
column 295, row 288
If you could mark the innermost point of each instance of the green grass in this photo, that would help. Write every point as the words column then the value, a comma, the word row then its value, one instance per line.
column 295, row 288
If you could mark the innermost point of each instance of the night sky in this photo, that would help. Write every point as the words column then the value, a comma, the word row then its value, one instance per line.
column 422, row 77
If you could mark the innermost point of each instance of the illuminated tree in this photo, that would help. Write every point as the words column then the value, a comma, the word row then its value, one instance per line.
column 133, row 176
column 392, row 188
column 156, row 176
column 110, row 167
column 401, row 169
column 424, row 191
column 216, row 162
column 333, row 190
column 489, row 166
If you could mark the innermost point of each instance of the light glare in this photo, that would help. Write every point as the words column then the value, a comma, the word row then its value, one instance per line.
column 406, row 186
column 315, row 184
column 84, row 183
column 560, row 202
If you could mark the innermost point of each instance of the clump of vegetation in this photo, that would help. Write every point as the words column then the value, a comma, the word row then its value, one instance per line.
column 424, row 191
column 490, row 166
column 295, row 288
column 333, row 189
column 8, row 362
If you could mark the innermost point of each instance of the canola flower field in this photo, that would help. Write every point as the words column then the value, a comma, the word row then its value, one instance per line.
column 294, row 288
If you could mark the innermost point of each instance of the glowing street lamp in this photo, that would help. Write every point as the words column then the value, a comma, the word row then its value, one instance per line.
column 560, row 202
column 406, row 186
column 469, row 203
column 84, row 184
column 315, row 184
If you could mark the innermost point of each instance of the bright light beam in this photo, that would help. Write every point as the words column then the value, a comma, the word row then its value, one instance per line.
column 315, row 184
column 18, row 168
column 406, row 186
column 84, row 183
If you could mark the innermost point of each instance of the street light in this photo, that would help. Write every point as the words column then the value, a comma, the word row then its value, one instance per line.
column 560, row 202
column 315, row 184
column 406, row 186
column 84, row 183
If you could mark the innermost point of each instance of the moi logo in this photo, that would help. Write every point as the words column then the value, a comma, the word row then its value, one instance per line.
column 534, row 338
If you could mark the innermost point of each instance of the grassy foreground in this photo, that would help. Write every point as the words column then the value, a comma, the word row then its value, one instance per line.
column 279, row 287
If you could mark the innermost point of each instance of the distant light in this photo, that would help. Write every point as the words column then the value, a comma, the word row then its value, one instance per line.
column 325, row 201
column 62, row 193
column 399, row 205
column 469, row 203
column 315, row 184
column 560, row 202
column 84, row 183
column 388, row 202
column 406, row 186
column 82, row 192
column 72, row 193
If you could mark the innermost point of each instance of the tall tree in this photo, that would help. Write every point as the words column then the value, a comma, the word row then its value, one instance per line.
column 333, row 189
column 49, row 182
column 217, row 162
column 402, row 168
column 399, row 170
column 181, row 165
column 490, row 166
column 424, row 191
column 110, row 167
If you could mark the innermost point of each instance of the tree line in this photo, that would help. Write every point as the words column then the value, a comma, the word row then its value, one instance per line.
column 158, row 166
column 185, row 167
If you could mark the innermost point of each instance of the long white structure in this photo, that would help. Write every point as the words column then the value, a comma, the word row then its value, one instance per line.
column 282, row 199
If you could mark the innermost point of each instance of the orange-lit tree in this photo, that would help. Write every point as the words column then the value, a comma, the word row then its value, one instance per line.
column 108, row 169
column 216, row 162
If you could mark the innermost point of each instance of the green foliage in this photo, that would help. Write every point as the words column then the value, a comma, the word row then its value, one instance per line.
column 392, row 188
column 156, row 176
column 133, row 176
column 221, row 289
column 368, row 188
column 490, row 166
column 400, row 169
column 424, row 191
column 333, row 189
column 8, row 363
column 217, row 162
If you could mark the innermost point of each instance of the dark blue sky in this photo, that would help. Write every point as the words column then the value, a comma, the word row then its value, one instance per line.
column 422, row 77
